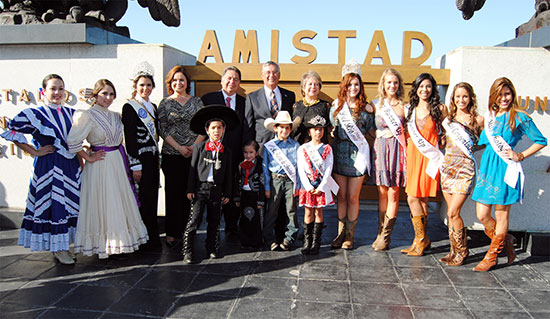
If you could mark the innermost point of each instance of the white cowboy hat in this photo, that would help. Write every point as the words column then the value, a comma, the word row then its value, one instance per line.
column 283, row 117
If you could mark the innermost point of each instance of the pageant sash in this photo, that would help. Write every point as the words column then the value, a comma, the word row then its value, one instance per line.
column 431, row 152
column 122, row 151
column 393, row 123
column 362, row 160
column 317, row 160
column 460, row 138
column 281, row 158
column 146, row 118
column 499, row 145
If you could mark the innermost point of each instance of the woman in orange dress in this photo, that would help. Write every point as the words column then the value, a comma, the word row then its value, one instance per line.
column 425, row 115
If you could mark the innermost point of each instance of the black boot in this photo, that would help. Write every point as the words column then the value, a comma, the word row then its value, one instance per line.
column 308, row 238
column 317, row 232
column 187, row 251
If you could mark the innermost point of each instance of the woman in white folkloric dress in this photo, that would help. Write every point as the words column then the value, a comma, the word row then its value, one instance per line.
column 109, row 221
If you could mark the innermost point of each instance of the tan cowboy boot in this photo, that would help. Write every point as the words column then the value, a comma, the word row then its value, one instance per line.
column 451, row 253
column 381, row 218
column 350, row 233
column 422, row 241
column 413, row 245
column 337, row 242
column 509, row 241
column 461, row 247
column 491, row 257
column 387, row 228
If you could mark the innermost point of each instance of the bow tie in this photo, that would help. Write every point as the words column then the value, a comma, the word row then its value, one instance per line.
column 214, row 146
column 247, row 165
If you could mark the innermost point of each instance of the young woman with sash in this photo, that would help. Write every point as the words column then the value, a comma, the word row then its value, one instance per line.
column 51, row 213
column 139, row 117
column 500, row 180
column 389, row 160
column 425, row 115
column 109, row 222
column 352, row 118
column 458, row 171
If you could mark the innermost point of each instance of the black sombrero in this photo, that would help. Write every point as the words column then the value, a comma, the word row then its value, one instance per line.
column 213, row 112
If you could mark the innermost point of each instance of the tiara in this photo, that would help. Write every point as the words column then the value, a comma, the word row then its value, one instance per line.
column 317, row 120
column 351, row 67
column 143, row 68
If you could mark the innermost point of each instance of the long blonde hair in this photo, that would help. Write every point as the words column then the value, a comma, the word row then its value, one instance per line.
column 382, row 94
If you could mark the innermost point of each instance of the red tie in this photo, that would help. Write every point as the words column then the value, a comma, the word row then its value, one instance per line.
column 228, row 101
column 247, row 166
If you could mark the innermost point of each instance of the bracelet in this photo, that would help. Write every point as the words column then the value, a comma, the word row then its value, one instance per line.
column 521, row 157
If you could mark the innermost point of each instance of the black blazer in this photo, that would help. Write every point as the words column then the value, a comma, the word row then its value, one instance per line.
column 200, row 168
column 257, row 110
column 136, row 136
column 235, row 137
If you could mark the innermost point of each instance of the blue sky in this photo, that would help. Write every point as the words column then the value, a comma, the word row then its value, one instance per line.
column 439, row 19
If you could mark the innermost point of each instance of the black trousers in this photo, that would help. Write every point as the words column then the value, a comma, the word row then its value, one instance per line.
column 250, row 220
column 207, row 195
column 178, row 207
column 148, row 195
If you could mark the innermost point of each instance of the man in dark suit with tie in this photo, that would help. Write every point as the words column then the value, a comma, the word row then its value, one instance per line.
column 234, row 138
column 266, row 102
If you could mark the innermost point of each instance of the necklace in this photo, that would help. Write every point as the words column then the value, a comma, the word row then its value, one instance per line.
column 307, row 104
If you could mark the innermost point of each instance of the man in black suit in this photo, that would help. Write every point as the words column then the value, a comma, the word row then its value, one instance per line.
column 234, row 138
column 266, row 102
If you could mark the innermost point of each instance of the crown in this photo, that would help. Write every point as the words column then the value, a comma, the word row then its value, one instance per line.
column 143, row 68
column 318, row 120
column 351, row 67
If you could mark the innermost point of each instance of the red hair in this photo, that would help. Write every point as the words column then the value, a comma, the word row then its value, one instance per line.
column 343, row 93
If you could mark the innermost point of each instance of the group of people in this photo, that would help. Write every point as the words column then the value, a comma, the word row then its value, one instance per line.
column 255, row 159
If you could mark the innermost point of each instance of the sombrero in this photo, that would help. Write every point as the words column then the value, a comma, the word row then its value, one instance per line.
column 213, row 112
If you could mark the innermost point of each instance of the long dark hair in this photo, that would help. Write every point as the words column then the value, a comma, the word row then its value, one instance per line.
column 434, row 103
column 513, row 109
column 471, row 108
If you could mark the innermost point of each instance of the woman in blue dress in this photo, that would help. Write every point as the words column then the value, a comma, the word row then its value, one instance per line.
column 49, row 221
column 505, row 124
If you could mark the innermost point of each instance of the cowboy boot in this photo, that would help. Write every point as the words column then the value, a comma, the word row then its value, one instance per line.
column 337, row 242
column 387, row 228
column 350, row 233
column 413, row 245
column 317, row 232
column 422, row 241
column 187, row 250
column 451, row 253
column 460, row 239
column 509, row 241
column 308, row 238
column 491, row 257
column 381, row 218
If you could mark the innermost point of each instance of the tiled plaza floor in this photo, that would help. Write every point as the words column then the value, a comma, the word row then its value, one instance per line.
column 336, row 284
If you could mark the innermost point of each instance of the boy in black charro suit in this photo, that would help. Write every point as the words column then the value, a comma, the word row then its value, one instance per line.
column 210, row 177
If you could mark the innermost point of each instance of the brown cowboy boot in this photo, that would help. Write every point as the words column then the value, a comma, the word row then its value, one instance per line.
column 491, row 257
column 451, row 253
column 387, row 228
column 350, row 233
column 413, row 245
column 381, row 219
column 509, row 241
column 422, row 241
column 337, row 242
column 461, row 247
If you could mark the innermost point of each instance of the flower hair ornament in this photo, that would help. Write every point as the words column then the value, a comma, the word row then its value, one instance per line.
column 143, row 68
column 351, row 67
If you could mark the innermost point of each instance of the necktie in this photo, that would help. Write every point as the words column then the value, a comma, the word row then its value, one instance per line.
column 247, row 166
column 228, row 101
column 273, row 101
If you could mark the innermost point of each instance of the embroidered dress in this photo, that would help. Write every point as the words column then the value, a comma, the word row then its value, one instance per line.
column 458, row 169
column 109, row 221
column 388, row 156
column 312, row 177
column 50, row 217
column 419, row 184
column 490, row 186
column 345, row 150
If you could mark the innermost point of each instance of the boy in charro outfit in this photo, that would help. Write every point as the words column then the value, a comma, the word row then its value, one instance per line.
column 210, row 177
column 281, row 179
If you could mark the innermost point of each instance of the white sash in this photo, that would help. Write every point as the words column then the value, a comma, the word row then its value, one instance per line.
column 499, row 145
column 317, row 160
column 281, row 158
column 362, row 159
column 460, row 138
column 393, row 122
column 431, row 152
column 146, row 118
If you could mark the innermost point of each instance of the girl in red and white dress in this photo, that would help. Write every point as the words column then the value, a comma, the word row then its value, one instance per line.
column 315, row 161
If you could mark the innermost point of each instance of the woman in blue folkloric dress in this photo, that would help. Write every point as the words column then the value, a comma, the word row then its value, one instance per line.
column 511, row 124
column 49, row 222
